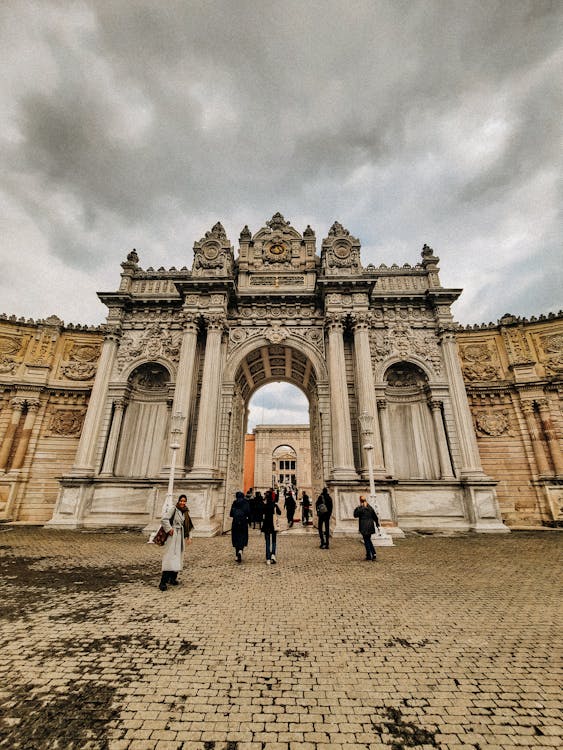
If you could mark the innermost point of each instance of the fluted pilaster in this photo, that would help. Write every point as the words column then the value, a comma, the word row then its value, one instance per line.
column 342, row 451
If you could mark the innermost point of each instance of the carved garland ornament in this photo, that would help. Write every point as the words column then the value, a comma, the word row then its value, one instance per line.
column 493, row 423
column 66, row 422
column 155, row 342
column 553, row 348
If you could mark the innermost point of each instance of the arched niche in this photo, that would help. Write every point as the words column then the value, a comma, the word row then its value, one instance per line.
column 411, row 428
column 142, row 442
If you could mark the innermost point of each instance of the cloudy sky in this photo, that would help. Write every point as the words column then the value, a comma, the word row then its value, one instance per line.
column 135, row 123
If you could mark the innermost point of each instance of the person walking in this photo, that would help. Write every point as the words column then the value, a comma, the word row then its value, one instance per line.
column 257, row 508
column 306, row 507
column 178, row 525
column 271, row 508
column 367, row 521
column 290, row 505
column 323, row 506
column 240, row 513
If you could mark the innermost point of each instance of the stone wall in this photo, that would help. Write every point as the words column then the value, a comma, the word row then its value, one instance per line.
column 46, row 375
column 513, row 372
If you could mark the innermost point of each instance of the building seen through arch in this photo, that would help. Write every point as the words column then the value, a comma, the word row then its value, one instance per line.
column 458, row 419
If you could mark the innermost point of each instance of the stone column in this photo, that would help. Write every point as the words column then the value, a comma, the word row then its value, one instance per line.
column 17, row 404
column 84, row 461
column 386, row 434
column 550, row 435
column 184, row 384
column 535, row 438
column 367, row 401
column 21, row 449
column 113, row 440
column 470, row 459
column 204, row 459
column 441, row 440
column 342, row 451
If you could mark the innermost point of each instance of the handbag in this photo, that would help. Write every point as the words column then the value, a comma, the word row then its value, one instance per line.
column 277, row 521
column 161, row 535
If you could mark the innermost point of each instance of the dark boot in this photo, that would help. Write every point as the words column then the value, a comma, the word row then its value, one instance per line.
column 163, row 579
column 173, row 578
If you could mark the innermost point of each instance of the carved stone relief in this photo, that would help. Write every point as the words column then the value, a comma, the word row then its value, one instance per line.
column 79, row 361
column 401, row 340
column 553, row 348
column 10, row 345
column 492, row 423
column 275, row 334
column 155, row 341
column 479, row 362
column 66, row 422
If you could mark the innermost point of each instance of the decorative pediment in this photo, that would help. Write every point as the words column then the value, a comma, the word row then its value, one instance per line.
column 213, row 254
column 340, row 254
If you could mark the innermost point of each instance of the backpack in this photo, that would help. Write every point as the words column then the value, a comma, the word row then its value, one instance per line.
column 239, row 516
column 321, row 508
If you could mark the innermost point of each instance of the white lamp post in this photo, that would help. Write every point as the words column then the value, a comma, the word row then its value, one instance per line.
column 366, row 426
column 175, row 432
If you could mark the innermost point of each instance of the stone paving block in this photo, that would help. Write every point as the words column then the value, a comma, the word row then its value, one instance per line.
column 404, row 655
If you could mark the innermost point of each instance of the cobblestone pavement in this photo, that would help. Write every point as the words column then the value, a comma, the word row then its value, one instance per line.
column 443, row 643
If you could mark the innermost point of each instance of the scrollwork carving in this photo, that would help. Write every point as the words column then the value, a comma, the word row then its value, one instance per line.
column 66, row 422
column 553, row 348
column 493, row 423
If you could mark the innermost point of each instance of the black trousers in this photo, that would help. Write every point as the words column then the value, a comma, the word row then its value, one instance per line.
column 324, row 529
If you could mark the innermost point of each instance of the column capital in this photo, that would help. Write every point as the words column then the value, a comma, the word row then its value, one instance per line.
column 335, row 321
column 361, row 321
column 435, row 404
column 543, row 403
column 190, row 320
column 381, row 403
column 33, row 404
column 18, row 403
column 447, row 335
column 112, row 334
column 527, row 407
column 215, row 322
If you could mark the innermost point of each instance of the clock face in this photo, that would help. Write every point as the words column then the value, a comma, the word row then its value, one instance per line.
column 276, row 251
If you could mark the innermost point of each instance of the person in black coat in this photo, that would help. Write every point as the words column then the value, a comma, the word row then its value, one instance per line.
column 240, row 513
column 271, row 507
column 257, row 509
column 367, row 521
column 323, row 506
column 290, row 505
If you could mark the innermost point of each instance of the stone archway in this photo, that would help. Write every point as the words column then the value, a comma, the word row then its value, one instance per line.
column 259, row 363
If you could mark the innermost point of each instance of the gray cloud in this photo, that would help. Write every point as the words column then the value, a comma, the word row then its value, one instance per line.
column 141, row 124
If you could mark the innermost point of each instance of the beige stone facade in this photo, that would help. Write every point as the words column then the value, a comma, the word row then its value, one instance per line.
column 87, row 413
column 46, row 375
column 514, row 379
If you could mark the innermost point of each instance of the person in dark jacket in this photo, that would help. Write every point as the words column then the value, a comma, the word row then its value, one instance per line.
column 257, row 509
column 270, row 534
column 306, row 503
column 323, row 506
column 290, row 505
column 367, row 521
column 240, row 513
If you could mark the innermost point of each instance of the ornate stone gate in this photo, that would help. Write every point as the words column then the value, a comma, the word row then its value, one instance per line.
column 199, row 343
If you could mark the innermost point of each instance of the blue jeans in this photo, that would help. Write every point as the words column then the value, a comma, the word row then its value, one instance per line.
column 270, row 543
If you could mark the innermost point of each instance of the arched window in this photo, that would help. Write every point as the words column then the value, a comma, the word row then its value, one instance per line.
column 142, row 447
column 413, row 440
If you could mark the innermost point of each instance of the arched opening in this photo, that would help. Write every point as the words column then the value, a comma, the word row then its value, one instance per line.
column 284, row 466
column 145, row 422
column 275, row 404
column 413, row 440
